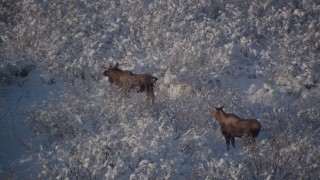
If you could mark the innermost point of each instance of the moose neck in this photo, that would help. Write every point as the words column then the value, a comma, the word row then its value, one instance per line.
column 221, row 116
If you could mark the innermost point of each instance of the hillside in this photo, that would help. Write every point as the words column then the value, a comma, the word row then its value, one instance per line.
column 62, row 119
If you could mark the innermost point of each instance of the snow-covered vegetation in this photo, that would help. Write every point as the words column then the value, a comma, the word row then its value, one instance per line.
column 260, row 58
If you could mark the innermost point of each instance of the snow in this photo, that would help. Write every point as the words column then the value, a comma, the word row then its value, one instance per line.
column 17, row 103
column 64, row 120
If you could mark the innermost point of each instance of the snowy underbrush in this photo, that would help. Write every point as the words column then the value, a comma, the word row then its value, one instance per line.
column 289, row 148
column 21, row 91
column 110, row 136
column 258, row 58
column 116, row 138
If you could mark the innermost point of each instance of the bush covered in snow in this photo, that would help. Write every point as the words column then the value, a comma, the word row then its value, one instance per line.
column 259, row 58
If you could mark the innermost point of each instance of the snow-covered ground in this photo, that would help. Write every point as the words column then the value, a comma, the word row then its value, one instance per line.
column 19, row 99
column 65, row 120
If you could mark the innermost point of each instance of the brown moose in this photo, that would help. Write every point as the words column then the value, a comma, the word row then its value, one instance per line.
column 128, row 81
column 232, row 126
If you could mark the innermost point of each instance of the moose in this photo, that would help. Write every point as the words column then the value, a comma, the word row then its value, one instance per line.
column 232, row 126
column 128, row 81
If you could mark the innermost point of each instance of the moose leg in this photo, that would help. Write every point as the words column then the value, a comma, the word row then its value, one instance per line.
column 253, row 142
column 126, row 94
column 127, row 91
column 233, row 142
column 150, row 95
column 227, row 141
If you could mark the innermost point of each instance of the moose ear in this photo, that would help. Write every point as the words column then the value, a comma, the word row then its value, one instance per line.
column 219, row 108
column 116, row 65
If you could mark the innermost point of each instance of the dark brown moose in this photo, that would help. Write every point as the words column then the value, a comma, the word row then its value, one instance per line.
column 128, row 81
column 232, row 126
